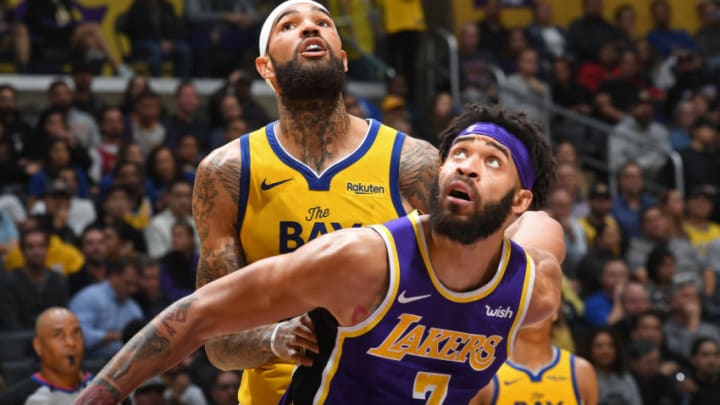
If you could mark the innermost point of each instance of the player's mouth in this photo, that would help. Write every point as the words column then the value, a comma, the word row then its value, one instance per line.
column 313, row 48
column 459, row 192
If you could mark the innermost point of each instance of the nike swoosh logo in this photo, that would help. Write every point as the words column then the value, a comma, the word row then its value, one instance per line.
column 267, row 186
column 406, row 300
column 511, row 382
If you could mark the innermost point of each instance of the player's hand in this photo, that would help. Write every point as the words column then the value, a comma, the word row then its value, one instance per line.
column 292, row 339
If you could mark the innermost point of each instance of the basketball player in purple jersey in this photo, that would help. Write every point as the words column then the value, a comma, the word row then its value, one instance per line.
column 427, row 306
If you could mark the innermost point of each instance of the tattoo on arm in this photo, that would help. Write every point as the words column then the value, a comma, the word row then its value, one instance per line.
column 99, row 392
column 248, row 349
column 419, row 165
column 218, row 263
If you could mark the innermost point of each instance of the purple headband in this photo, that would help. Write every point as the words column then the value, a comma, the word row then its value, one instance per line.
column 518, row 151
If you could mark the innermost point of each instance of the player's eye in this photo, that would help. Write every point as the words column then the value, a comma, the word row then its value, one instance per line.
column 493, row 162
column 324, row 23
column 460, row 153
column 287, row 26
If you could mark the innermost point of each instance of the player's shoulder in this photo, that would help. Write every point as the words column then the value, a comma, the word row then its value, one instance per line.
column 583, row 366
column 223, row 158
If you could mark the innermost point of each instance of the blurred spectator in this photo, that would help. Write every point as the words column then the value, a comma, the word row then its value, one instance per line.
column 238, row 83
column 224, row 389
column 598, row 215
column 104, row 308
column 150, row 295
column 135, row 86
column 234, row 129
column 129, row 154
column 352, row 105
column 653, row 71
column 117, row 210
column 655, row 388
column 590, row 32
column 395, row 112
column 150, row 392
column 493, row 34
column 698, row 226
column 58, row 343
column 664, row 39
column 57, row 208
column 179, row 265
column 605, row 307
column 442, row 112
column 685, row 323
column 544, row 36
column 625, row 87
column 15, row 128
column 120, row 241
column 81, row 212
column 689, row 265
column 607, row 246
column 559, row 207
column 598, row 69
column 52, row 125
column 129, row 175
column 230, row 109
column 58, row 36
column 672, row 205
column 84, row 99
column 154, row 31
column 625, row 19
column 94, row 247
column 180, row 387
column 648, row 326
column 660, row 267
column 705, row 359
column 565, row 90
column 13, row 176
column 684, row 118
column 28, row 291
column 188, row 150
column 701, row 160
column 104, row 155
column 604, row 350
column 569, row 177
column 61, row 257
column 223, row 31
column 82, row 125
column 631, row 199
column 707, row 37
column 159, row 232
column 186, row 119
column 146, row 125
column 404, row 25
column 477, row 79
column 14, row 37
column 515, row 45
column 634, row 300
column 163, row 169
column 59, row 158
column 690, row 80
column 524, row 91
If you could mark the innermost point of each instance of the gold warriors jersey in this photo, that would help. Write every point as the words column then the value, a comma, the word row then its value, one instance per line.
column 284, row 204
column 554, row 384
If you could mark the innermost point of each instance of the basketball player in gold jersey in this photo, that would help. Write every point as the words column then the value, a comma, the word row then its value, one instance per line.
column 538, row 372
column 317, row 169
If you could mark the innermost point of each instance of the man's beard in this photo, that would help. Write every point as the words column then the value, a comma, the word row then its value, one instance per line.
column 315, row 81
column 486, row 220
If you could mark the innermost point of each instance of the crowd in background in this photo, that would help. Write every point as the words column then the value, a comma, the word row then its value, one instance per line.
column 95, row 213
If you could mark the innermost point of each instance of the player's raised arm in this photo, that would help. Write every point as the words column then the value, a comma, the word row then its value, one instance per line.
column 419, row 165
column 268, row 290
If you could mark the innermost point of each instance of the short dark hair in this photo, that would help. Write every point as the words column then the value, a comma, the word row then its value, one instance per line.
column 27, row 232
column 183, row 83
column 121, row 264
column 698, row 342
column 639, row 348
column 57, row 83
column 635, row 320
column 522, row 128
column 6, row 86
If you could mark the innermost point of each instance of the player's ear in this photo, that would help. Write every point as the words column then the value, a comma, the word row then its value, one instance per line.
column 343, row 55
column 522, row 201
column 264, row 67
column 266, row 70
column 37, row 346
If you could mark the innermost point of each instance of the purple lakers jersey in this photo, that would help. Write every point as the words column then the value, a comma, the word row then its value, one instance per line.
column 424, row 343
